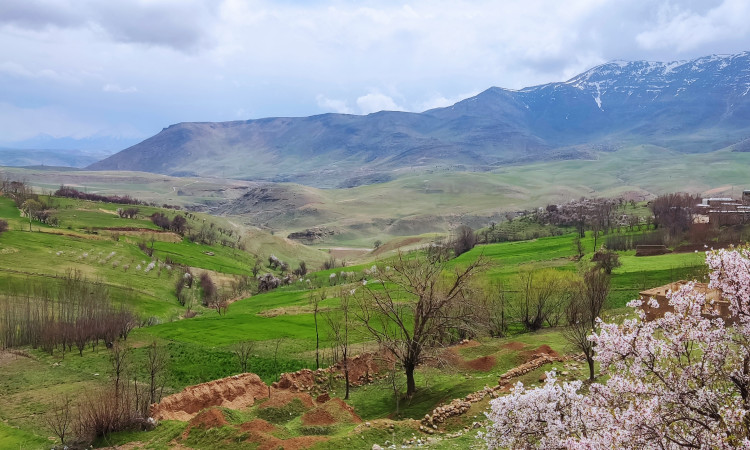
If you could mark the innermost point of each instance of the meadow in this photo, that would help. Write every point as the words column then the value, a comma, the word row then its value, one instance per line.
column 280, row 322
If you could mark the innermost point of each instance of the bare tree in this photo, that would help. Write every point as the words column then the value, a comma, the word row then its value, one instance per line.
column 414, row 306
column 31, row 207
column 119, row 359
column 156, row 364
column 585, row 306
column 314, row 298
column 492, row 304
column 60, row 418
column 243, row 350
column 340, row 327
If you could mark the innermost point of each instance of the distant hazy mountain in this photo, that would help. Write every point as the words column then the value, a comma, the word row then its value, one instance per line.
column 688, row 106
column 53, row 158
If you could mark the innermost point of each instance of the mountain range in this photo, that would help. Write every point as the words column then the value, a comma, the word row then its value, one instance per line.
column 693, row 106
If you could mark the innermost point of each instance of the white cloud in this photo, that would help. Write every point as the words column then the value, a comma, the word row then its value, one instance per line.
column 119, row 89
column 302, row 58
column 375, row 101
column 329, row 104
column 685, row 29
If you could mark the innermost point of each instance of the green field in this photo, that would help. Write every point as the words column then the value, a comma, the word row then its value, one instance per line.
column 280, row 322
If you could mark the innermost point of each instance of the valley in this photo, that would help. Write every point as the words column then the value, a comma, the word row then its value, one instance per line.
column 385, row 280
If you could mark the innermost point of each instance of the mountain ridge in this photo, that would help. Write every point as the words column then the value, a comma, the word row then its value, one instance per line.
column 688, row 106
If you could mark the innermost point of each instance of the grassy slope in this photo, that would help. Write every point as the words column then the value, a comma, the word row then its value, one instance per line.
column 423, row 196
column 421, row 202
column 199, row 347
column 292, row 320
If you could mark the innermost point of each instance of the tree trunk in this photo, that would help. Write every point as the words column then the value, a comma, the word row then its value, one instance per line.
column 317, row 341
column 590, row 361
column 346, row 378
column 411, row 387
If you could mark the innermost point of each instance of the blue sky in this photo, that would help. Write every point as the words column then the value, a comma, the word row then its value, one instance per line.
column 110, row 73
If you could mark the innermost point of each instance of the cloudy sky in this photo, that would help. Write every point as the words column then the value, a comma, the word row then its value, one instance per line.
column 108, row 73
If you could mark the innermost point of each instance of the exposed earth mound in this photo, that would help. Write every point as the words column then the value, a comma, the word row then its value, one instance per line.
column 238, row 391
column 545, row 349
column 333, row 412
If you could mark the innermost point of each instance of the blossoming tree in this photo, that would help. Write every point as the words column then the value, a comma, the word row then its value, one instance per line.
column 680, row 381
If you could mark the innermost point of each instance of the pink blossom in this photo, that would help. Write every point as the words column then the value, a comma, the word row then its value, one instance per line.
column 682, row 380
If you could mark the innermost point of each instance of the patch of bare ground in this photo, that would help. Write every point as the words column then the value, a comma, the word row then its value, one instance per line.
column 318, row 416
column 206, row 420
column 453, row 358
column 332, row 412
column 343, row 253
column 482, row 364
column 515, row 345
column 281, row 398
column 545, row 349
column 235, row 392
column 396, row 244
column 8, row 357
column 287, row 310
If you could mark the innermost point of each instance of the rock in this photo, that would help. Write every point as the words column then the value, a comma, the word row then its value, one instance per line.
column 376, row 447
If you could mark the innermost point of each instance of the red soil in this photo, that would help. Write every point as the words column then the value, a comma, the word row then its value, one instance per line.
column 282, row 398
column 233, row 392
column 318, row 416
column 483, row 364
column 210, row 418
column 543, row 349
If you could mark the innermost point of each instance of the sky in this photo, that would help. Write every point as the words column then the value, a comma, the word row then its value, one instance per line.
column 106, row 74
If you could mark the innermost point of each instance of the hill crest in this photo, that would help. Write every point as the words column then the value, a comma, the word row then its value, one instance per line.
column 688, row 106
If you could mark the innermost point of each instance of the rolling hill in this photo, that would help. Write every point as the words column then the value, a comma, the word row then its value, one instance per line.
column 687, row 106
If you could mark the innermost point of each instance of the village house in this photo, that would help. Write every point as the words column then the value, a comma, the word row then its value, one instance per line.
column 715, row 306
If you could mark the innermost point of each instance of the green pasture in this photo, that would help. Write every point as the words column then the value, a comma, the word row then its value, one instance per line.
column 210, row 257
column 281, row 321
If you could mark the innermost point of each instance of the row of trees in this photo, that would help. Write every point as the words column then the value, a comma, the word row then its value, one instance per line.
column 76, row 314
